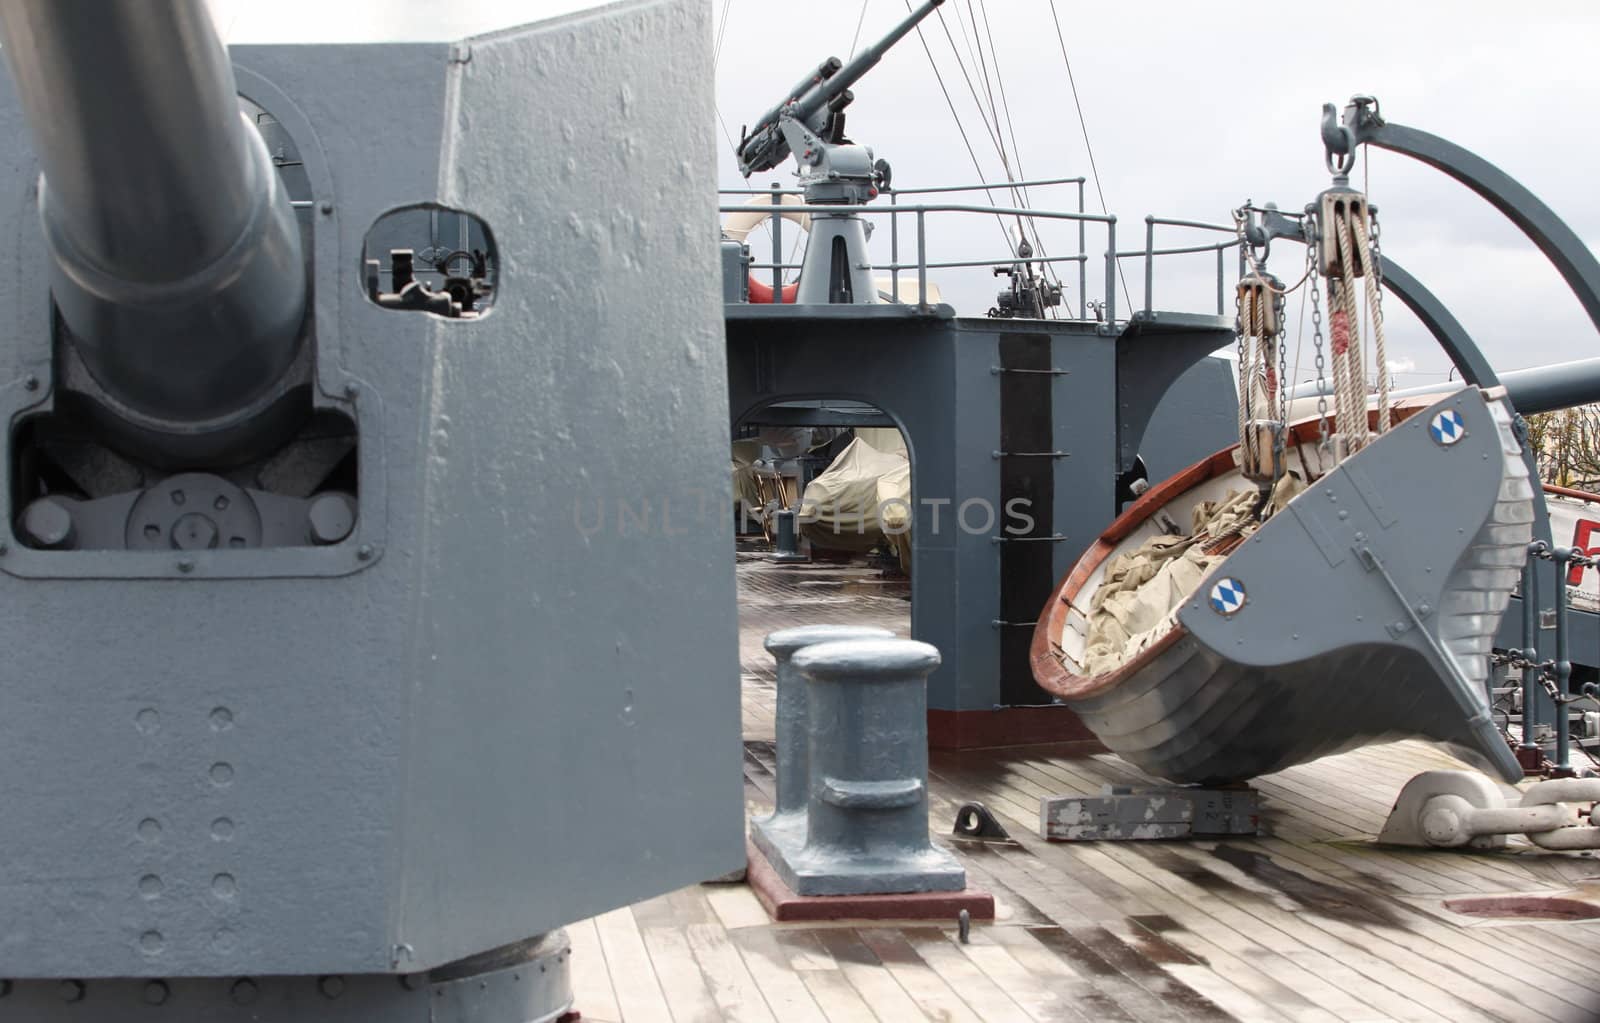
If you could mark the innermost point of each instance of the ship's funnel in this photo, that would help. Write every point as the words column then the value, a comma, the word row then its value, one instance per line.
column 177, row 267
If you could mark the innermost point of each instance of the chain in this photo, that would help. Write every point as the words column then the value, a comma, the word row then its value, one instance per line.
column 1516, row 659
column 1316, row 336
column 1544, row 675
column 1281, row 436
column 1543, row 552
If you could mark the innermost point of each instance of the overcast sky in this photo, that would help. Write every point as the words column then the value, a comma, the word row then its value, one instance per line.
column 1191, row 107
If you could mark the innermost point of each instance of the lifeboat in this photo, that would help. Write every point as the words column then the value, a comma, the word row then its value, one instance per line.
column 1361, row 611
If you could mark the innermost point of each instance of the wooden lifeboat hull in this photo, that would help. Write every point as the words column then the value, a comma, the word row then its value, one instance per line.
column 1372, row 600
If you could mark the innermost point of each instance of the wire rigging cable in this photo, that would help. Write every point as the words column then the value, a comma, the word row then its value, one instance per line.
column 1088, row 147
column 716, row 60
column 860, row 19
column 971, row 88
column 960, row 128
column 722, row 32
column 1048, row 269
column 991, row 117
column 991, row 128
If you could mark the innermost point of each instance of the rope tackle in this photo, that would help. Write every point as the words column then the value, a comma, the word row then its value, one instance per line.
column 1346, row 255
column 1262, row 356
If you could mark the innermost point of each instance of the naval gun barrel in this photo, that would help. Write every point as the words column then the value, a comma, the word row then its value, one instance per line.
column 827, row 69
column 825, row 91
column 177, row 265
column 765, row 147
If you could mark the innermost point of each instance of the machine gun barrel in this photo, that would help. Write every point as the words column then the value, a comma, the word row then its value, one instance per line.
column 827, row 69
column 177, row 264
column 764, row 148
column 823, row 93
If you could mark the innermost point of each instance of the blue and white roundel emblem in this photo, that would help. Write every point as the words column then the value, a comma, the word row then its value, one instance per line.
column 1447, row 427
column 1227, row 596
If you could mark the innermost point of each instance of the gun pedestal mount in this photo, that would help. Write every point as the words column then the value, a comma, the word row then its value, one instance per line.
column 833, row 170
column 312, row 637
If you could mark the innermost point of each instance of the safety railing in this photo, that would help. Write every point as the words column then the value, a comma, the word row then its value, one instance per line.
column 1150, row 252
column 897, row 208
column 1552, row 677
column 1081, row 257
column 922, row 264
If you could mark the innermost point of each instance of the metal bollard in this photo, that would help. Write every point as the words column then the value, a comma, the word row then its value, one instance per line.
column 786, row 525
column 784, row 832
column 867, row 808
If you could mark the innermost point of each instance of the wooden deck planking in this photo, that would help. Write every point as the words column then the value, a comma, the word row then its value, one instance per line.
column 1490, row 942
column 633, row 976
column 1455, row 944
column 1310, row 923
column 1502, row 939
column 591, row 978
column 1022, row 789
column 783, row 988
column 1108, row 905
column 878, row 987
column 1096, row 868
column 683, row 983
column 933, row 995
column 1375, row 970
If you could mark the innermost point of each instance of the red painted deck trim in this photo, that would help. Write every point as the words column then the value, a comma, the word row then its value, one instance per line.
column 1007, row 726
column 784, row 906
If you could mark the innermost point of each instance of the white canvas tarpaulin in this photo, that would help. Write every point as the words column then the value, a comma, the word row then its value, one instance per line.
column 885, row 438
column 894, row 511
column 1143, row 589
column 842, row 509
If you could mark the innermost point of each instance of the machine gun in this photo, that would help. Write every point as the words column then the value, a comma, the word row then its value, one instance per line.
column 833, row 170
column 818, row 101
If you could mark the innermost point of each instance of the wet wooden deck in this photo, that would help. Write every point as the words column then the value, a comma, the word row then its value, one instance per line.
column 1308, row 922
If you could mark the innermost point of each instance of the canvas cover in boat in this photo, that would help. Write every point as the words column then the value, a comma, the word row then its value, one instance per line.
column 1143, row 588
column 885, row 438
column 843, row 508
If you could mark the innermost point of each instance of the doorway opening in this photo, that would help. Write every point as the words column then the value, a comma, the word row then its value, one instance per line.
column 822, row 492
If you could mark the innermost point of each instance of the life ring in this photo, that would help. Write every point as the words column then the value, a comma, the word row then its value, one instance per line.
column 761, row 292
column 738, row 228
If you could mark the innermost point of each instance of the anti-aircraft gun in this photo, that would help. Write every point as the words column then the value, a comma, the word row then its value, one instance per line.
column 324, row 694
column 809, row 124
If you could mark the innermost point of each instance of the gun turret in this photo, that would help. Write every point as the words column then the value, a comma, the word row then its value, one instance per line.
column 176, row 258
column 818, row 98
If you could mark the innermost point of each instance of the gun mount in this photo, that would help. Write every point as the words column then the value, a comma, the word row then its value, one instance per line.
column 818, row 101
column 299, row 579
column 809, row 123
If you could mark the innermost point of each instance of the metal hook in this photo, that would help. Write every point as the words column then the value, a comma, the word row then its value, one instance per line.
column 1338, row 144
